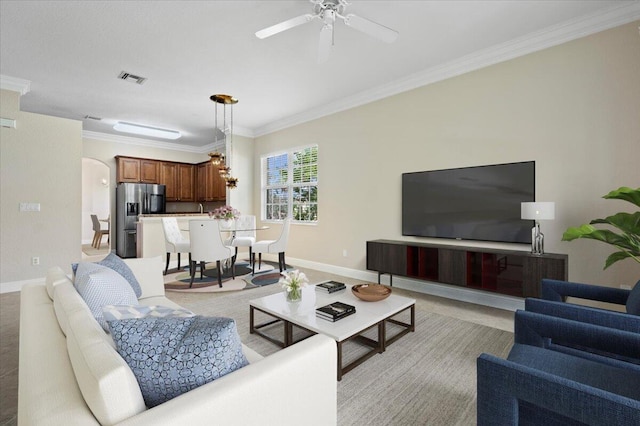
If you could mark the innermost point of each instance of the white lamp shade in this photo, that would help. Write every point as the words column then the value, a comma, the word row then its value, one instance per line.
column 538, row 210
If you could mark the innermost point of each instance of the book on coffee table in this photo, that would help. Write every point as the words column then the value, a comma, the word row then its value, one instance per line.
column 335, row 311
column 330, row 287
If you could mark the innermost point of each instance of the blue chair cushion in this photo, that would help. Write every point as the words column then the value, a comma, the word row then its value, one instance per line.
column 173, row 355
column 633, row 302
column 621, row 381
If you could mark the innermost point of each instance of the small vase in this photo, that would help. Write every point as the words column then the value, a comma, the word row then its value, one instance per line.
column 226, row 223
column 294, row 294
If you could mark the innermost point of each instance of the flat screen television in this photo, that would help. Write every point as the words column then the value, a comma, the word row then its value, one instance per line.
column 471, row 203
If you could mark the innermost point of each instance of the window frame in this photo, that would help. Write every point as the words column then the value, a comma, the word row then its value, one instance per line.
column 289, row 185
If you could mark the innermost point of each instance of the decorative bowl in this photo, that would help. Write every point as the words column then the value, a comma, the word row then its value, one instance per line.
column 371, row 292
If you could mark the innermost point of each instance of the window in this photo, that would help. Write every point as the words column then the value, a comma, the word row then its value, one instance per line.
column 290, row 185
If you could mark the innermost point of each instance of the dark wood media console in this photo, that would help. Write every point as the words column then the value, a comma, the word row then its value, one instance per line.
column 511, row 272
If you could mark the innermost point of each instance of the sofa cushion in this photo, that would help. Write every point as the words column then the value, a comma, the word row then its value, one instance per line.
column 54, row 277
column 170, row 356
column 112, row 261
column 119, row 312
column 100, row 286
column 107, row 384
column 148, row 271
column 633, row 301
column 66, row 300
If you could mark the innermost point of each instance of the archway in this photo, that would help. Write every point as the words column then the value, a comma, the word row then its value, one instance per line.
column 96, row 183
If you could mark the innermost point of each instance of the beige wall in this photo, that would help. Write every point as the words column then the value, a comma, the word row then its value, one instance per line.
column 573, row 108
column 242, row 165
column 40, row 162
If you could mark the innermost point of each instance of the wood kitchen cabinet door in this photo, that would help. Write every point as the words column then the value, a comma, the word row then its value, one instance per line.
column 201, row 182
column 186, row 182
column 137, row 170
column 128, row 170
column 169, row 178
column 149, row 171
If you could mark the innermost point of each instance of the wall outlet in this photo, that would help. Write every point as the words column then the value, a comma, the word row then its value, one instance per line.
column 35, row 261
column 344, row 252
column 625, row 287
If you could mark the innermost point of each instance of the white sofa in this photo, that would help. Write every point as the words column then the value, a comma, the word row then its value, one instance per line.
column 71, row 374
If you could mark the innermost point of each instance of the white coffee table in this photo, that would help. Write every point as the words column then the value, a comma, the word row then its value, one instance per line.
column 303, row 315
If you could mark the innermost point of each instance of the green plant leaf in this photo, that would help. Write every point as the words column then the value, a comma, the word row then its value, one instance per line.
column 623, row 242
column 625, row 193
column 614, row 257
column 628, row 223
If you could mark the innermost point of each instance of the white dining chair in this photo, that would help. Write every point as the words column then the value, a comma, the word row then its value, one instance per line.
column 207, row 246
column 272, row 246
column 245, row 236
column 174, row 241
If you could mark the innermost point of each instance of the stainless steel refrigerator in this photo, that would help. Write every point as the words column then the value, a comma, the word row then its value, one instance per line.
column 133, row 199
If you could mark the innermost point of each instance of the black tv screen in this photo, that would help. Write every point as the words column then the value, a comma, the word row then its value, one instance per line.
column 471, row 203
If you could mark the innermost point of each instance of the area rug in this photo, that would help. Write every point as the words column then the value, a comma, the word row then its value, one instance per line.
column 179, row 281
column 425, row 378
column 269, row 273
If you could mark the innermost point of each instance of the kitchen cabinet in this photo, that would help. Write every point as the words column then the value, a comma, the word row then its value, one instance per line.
column 179, row 179
column 184, row 181
column 210, row 185
column 137, row 170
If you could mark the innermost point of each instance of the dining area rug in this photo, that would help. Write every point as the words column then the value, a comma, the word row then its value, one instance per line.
column 244, row 279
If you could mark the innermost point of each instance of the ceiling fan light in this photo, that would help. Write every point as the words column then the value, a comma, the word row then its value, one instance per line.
column 139, row 129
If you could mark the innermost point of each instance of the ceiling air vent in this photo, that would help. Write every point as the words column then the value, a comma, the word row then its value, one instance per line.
column 131, row 77
column 92, row 117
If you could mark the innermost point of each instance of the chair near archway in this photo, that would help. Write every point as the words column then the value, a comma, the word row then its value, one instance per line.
column 174, row 241
column 98, row 232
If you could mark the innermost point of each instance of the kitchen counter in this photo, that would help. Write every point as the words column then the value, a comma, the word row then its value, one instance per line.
column 173, row 214
column 150, row 237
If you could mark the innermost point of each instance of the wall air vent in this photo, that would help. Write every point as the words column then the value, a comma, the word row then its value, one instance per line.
column 131, row 77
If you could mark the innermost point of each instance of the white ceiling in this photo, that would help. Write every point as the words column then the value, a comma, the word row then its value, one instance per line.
column 73, row 51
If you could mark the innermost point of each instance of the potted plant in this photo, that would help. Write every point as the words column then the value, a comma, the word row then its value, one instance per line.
column 626, row 236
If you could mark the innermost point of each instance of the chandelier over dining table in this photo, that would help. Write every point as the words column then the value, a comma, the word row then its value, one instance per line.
column 226, row 119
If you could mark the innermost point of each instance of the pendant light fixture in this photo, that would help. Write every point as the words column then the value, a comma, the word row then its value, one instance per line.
column 226, row 118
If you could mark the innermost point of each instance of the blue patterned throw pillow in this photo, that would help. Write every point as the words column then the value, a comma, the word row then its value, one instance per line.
column 173, row 355
column 100, row 286
column 112, row 261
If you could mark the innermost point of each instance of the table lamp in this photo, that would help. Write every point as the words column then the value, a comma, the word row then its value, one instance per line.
column 537, row 211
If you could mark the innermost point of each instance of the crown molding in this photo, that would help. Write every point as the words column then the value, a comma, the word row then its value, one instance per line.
column 128, row 140
column 549, row 37
column 15, row 84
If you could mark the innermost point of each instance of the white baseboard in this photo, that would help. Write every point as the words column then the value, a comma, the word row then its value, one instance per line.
column 13, row 286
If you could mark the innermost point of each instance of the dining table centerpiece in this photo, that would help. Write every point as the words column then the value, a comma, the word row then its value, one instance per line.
column 293, row 282
column 226, row 215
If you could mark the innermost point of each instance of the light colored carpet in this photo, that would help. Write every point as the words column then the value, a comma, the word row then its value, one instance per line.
column 89, row 250
column 425, row 378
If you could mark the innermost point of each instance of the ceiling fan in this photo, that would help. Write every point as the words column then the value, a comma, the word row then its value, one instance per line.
column 327, row 11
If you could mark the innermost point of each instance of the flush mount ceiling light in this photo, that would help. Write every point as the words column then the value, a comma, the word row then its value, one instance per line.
column 139, row 129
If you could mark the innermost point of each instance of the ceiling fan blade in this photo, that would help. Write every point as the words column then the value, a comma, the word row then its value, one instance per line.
column 325, row 43
column 285, row 25
column 371, row 28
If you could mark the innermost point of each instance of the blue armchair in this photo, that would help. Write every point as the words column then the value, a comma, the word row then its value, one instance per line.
column 536, row 385
column 558, row 291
